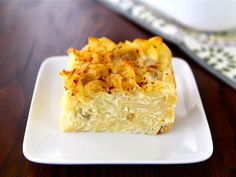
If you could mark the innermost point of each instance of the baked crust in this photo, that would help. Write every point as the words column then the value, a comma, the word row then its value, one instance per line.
column 166, row 128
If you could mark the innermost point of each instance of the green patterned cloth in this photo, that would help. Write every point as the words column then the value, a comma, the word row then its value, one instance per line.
column 216, row 52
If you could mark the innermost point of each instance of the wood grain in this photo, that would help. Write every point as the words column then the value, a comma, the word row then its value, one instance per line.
column 31, row 31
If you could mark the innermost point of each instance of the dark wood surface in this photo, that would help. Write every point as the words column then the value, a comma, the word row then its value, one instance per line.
column 31, row 31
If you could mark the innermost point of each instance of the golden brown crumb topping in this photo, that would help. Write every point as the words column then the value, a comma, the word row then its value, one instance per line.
column 103, row 66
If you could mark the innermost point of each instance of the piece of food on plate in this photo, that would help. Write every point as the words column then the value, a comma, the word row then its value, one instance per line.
column 124, row 87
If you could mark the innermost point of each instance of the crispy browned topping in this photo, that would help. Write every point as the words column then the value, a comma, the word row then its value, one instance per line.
column 105, row 66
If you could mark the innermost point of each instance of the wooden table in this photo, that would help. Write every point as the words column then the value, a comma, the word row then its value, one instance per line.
column 33, row 31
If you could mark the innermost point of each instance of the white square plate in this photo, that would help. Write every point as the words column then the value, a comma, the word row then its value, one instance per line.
column 189, row 141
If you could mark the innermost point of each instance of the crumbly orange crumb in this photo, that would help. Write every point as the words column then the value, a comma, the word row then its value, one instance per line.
column 103, row 66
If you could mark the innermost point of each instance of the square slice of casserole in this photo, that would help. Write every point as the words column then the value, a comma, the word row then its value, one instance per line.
column 124, row 87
